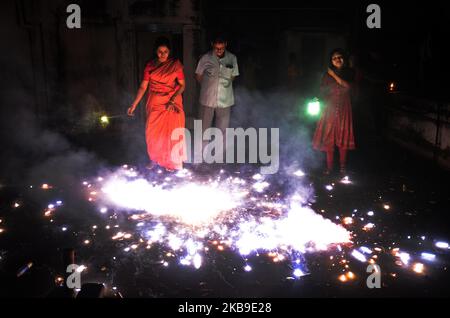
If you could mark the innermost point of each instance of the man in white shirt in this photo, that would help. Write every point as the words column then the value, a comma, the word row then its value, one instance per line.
column 215, row 72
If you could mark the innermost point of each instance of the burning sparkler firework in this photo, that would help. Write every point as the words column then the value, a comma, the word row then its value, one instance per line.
column 184, row 217
column 224, row 209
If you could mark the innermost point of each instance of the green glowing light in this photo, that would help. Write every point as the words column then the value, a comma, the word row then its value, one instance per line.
column 313, row 107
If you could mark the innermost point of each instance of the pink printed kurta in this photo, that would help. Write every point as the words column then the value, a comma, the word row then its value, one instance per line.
column 335, row 126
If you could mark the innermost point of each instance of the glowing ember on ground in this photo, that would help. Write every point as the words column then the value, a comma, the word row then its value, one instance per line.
column 299, row 173
column 418, row 268
column 359, row 256
column 346, row 180
column 368, row 226
column 348, row 220
column 442, row 245
column 428, row 256
column 343, row 278
column 404, row 257
column 350, row 275
column 298, row 273
column 59, row 280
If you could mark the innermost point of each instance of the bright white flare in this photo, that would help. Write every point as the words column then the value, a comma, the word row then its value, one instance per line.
column 443, row 245
column 282, row 227
column 191, row 203
column 299, row 173
column 359, row 256
column 301, row 230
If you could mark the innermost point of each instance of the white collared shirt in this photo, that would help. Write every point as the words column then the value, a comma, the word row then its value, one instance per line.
column 217, row 86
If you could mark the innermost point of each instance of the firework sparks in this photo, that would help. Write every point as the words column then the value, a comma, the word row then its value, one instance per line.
column 299, row 173
column 24, row 269
column 191, row 203
column 346, row 180
column 260, row 186
column 298, row 273
column 428, row 256
column 442, row 245
column 186, row 217
column 359, row 256
column 368, row 227
column 418, row 268
column 365, row 250
column 348, row 220
column 216, row 208
column 403, row 256
column 302, row 230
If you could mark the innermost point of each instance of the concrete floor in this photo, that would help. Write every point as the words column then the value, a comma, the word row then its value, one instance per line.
column 381, row 174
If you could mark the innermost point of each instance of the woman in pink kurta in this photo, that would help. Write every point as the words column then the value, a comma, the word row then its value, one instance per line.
column 165, row 116
column 335, row 127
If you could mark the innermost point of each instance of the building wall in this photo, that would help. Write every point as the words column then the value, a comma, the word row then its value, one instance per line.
column 312, row 49
column 74, row 74
column 422, row 126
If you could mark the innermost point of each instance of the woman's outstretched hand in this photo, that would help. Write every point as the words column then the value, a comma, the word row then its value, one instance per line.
column 130, row 111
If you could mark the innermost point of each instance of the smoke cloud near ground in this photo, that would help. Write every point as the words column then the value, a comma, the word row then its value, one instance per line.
column 32, row 153
column 282, row 109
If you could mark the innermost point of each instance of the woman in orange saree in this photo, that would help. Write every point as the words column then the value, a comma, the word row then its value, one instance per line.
column 165, row 79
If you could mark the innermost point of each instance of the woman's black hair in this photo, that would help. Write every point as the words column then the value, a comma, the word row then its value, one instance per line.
column 345, row 73
column 162, row 41
column 337, row 51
